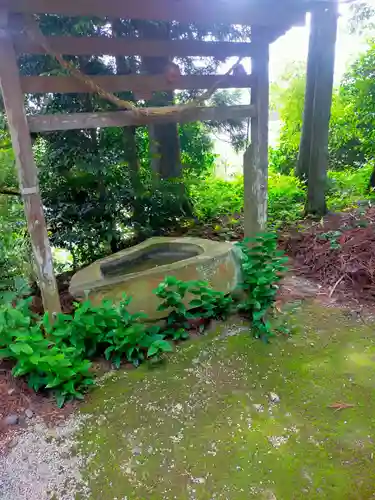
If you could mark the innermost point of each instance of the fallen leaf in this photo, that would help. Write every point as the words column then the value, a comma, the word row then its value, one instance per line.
column 340, row 406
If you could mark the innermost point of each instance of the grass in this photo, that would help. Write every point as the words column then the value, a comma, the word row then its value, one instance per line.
column 190, row 430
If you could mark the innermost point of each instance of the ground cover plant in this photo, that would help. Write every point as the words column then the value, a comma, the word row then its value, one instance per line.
column 56, row 353
column 105, row 191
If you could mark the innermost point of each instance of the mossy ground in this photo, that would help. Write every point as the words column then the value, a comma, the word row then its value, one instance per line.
column 190, row 430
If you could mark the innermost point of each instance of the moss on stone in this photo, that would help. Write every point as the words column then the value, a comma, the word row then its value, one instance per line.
column 193, row 428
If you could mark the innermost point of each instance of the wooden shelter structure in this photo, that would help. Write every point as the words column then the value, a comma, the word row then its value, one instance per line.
column 19, row 34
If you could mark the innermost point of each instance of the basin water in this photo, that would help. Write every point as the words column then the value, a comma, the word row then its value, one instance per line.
column 137, row 271
column 157, row 254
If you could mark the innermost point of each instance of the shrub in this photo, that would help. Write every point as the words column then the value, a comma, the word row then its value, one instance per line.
column 207, row 303
column 217, row 197
column 210, row 303
column 14, row 239
column 172, row 293
column 131, row 339
column 56, row 356
column 108, row 329
column 45, row 364
column 348, row 186
column 84, row 329
column 214, row 197
column 286, row 196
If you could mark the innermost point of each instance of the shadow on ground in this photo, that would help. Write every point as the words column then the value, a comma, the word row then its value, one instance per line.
column 204, row 427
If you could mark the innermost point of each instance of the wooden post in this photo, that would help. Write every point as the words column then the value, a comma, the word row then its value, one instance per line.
column 27, row 171
column 256, row 156
column 313, row 157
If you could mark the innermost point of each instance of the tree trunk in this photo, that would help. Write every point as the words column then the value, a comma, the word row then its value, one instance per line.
column 164, row 139
column 303, row 162
column 130, row 145
column 165, row 143
column 371, row 184
column 324, row 26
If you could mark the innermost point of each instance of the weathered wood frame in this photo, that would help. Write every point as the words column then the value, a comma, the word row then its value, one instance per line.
column 268, row 13
column 269, row 19
column 255, row 166
column 74, row 121
column 27, row 171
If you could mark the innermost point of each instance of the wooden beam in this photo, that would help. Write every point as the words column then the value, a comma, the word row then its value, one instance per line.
column 27, row 171
column 143, row 83
column 249, row 12
column 81, row 46
column 48, row 123
column 256, row 156
column 275, row 32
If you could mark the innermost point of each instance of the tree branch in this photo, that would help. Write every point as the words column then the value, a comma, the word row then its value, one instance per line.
column 9, row 192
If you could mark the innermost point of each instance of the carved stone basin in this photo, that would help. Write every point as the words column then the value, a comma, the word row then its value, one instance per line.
column 137, row 271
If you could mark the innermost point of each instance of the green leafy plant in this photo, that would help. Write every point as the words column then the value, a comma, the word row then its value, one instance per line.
column 84, row 329
column 128, row 338
column 16, row 291
column 158, row 347
column 54, row 356
column 172, row 292
column 209, row 302
column 262, row 268
column 46, row 365
column 108, row 329
column 331, row 236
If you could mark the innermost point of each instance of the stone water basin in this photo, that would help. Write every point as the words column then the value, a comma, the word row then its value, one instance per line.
column 137, row 271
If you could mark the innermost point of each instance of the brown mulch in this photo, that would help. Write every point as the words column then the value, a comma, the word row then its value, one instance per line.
column 338, row 253
column 346, row 272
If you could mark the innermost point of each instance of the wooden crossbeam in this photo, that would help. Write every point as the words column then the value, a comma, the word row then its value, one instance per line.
column 48, row 123
column 146, row 83
column 297, row 19
column 255, row 12
column 81, row 46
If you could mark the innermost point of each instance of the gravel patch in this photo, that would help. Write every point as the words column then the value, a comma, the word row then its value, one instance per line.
column 43, row 463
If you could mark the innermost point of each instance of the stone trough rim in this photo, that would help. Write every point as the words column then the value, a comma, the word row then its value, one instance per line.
column 211, row 249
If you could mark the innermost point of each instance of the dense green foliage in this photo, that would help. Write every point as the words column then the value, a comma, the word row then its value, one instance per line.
column 14, row 243
column 38, row 357
column 57, row 355
column 206, row 303
column 262, row 267
column 216, row 197
column 351, row 138
column 288, row 99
